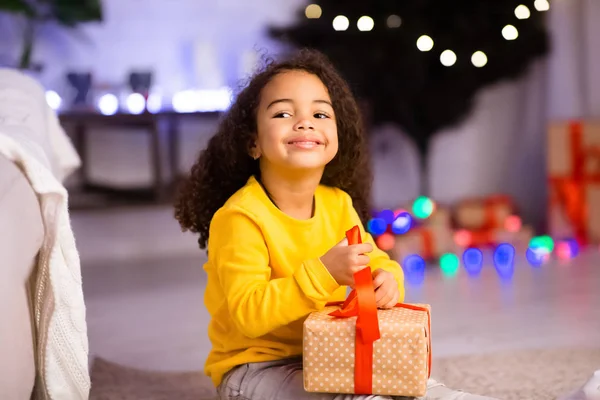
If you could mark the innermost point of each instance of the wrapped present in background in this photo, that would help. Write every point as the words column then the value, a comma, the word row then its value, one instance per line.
column 429, row 242
column 519, row 238
column 358, row 349
column 483, row 213
column 574, row 177
column 420, row 226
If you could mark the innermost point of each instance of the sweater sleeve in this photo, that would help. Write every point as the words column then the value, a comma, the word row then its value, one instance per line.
column 378, row 258
column 257, row 303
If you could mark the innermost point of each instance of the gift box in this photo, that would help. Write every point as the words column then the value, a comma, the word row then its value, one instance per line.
column 491, row 237
column 483, row 213
column 354, row 348
column 441, row 217
column 574, row 180
column 427, row 241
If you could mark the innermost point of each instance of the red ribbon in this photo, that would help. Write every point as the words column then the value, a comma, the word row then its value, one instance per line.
column 428, row 240
column 361, row 303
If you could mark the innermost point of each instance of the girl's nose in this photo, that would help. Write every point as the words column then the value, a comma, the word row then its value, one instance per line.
column 304, row 124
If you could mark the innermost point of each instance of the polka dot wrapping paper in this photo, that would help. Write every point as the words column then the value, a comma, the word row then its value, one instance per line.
column 400, row 356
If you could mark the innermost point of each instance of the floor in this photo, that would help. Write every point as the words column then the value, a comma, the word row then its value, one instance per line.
column 144, row 283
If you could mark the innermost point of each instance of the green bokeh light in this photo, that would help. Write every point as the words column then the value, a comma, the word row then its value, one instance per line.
column 543, row 242
column 423, row 207
column 449, row 263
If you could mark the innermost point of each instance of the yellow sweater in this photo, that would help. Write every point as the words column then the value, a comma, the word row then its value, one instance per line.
column 265, row 276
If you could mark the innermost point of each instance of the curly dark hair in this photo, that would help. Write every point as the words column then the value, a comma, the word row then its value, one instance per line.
column 225, row 165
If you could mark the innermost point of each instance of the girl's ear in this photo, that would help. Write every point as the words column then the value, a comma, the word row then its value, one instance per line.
column 254, row 152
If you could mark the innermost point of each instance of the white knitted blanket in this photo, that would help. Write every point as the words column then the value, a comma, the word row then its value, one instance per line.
column 31, row 137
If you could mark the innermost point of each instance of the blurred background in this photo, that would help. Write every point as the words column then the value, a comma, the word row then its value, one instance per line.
column 482, row 121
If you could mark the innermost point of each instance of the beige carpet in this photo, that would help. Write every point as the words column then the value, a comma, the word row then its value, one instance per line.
column 524, row 375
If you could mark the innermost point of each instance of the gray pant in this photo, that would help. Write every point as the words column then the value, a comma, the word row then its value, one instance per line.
column 282, row 380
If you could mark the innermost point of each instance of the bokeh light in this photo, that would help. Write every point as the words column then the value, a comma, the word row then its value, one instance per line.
column 313, row 11
column 463, row 238
column 386, row 215
column 423, row 207
column 449, row 263
column 567, row 249
column 402, row 223
column 341, row 23
column 513, row 223
column 376, row 226
column 544, row 242
column 504, row 260
column 414, row 269
column 537, row 256
column 473, row 261
column 425, row 43
column 386, row 241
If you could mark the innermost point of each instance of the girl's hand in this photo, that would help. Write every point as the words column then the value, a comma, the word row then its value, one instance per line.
column 387, row 293
column 342, row 261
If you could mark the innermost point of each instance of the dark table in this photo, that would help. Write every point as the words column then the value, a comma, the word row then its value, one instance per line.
column 78, row 123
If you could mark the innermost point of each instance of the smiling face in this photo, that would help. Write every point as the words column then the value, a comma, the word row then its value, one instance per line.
column 296, row 123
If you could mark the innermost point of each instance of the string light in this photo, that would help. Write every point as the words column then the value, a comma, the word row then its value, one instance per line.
column 386, row 241
column 522, row 12
column 473, row 261
column 513, row 223
column 504, row 260
column 541, row 5
column 414, row 269
column 386, row 215
column 313, row 11
column 376, row 226
column 136, row 103
column 449, row 263
column 154, row 103
column 402, row 223
column 365, row 23
column 448, row 58
column 479, row 59
column 108, row 104
column 425, row 43
column 423, row 207
column 545, row 242
column 537, row 256
column 394, row 21
column 53, row 99
column 341, row 23
column 463, row 238
column 509, row 32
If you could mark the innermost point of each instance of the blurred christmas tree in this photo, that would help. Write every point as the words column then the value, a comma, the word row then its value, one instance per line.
column 419, row 63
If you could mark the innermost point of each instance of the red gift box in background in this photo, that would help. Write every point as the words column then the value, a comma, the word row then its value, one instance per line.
column 574, row 180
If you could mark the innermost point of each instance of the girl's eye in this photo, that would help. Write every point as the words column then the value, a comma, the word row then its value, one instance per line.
column 282, row 115
column 321, row 115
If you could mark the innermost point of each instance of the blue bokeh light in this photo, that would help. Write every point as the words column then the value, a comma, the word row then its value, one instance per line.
column 473, row 261
column 402, row 223
column 387, row 216
column 504, row 260
column 376, row 226
column 414, row 269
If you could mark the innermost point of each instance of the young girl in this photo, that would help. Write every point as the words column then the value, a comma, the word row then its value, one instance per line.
column 286, row 175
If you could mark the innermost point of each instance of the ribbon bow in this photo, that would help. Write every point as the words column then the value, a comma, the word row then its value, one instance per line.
column 361, row 304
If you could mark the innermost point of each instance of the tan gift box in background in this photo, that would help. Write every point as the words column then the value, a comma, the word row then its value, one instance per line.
column 483, row 213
